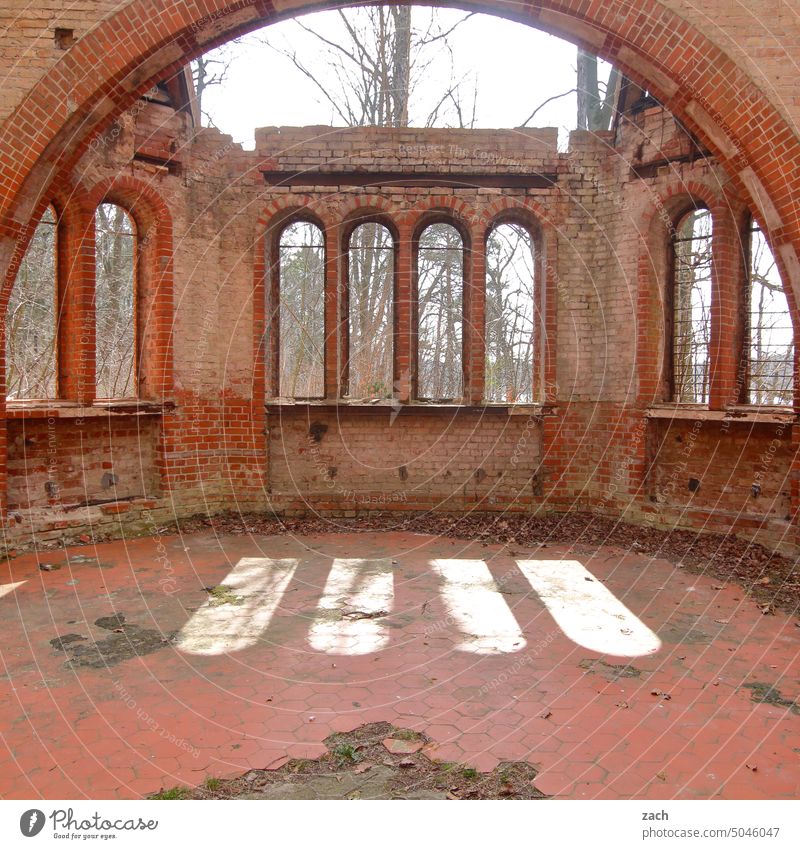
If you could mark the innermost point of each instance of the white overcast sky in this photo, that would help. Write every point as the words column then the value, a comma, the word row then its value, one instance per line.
column 514, row 66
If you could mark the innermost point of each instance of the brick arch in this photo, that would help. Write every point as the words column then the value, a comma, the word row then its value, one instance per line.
column 283, row 208
column 447, row 209
column 506, row 208
column 353, row 211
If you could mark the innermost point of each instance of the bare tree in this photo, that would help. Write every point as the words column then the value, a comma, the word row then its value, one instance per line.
column 595, row 102
column 210, row 70
column 372, row 74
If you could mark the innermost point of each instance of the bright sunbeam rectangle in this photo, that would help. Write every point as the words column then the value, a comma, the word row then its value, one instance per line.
column 356, row 595
column 477, row 608
column 235, row 618
column 586, row 611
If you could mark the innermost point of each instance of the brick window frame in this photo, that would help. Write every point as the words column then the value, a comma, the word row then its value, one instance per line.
column 269, row 249
column 348, row 226
column 425, row 221
column 543, row 308
column 153, row 293
column 683, row 210
column 747, row 223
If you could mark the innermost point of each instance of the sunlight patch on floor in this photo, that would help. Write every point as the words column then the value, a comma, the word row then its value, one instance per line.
column 7, row 589
column 477, row 608
column 357, row 594
column 587, row 611
column 236, row 620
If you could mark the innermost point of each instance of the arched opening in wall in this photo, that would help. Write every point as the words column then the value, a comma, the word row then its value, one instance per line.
column 510, row 315
column 31, row 320
column 769, row 334
column 440, row 313
column 690, row 291
column 299, row 321
column 369, row 313
column 115, row 303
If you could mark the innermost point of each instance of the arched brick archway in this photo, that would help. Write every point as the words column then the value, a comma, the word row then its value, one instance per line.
column 120, row 56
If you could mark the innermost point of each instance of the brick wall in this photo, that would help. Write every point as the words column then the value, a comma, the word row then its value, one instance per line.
column 206, row 209
column 328, row 460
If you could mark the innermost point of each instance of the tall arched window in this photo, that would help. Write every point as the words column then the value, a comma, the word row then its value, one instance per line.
column 370, row 312
column 769, row 335
column 115, row 302
column 31, row 318
column 510, row 328
column 440, row 313
column 301, row 331
column 691, row 307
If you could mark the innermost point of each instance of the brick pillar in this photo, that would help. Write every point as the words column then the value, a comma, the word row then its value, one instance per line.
column 405, row 354
column 332, row 359
column 727, row 285
column 76, row 324
column 547, row 315
column 475, row 316
column 154, row 317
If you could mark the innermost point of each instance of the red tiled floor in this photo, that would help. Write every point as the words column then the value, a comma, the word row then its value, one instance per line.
column 172, row 716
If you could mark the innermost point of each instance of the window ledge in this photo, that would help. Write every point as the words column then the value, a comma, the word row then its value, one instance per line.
column 738, row 413
column 72, row 410
column 410, row 407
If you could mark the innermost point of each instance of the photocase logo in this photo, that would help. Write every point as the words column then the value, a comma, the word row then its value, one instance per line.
column 31, row 822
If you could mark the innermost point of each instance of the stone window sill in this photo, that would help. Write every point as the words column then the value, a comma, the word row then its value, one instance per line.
column 71, row 410
column 409, row 408
column 739, row 413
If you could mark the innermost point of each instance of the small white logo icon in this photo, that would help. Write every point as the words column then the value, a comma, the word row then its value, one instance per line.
column 31, row 822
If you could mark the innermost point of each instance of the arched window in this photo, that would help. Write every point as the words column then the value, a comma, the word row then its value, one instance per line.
column 115, row 302
column 301, row 331
column 440, row 313
column 31, row 318
column 769, row 334
column 691, row 307
column 510, row 328
column 370, row 312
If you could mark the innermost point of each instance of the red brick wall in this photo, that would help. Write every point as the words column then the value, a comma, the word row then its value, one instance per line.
column 69, row 462
column 205, row 210
column 375, row 459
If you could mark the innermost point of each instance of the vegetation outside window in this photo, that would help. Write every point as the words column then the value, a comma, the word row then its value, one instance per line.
column 301, row 370
column 691, row 307
column 510, row 328
column 31, row 318
column 440, row 311
column 370, row 313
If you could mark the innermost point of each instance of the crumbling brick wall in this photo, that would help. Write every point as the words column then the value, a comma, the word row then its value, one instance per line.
column 204, row 438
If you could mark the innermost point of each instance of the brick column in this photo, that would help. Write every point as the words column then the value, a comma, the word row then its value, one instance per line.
column 727, row 285
column 76, row 323
column 475, row 316
column 332, row 312
column 155, row 312
column 404, row 354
